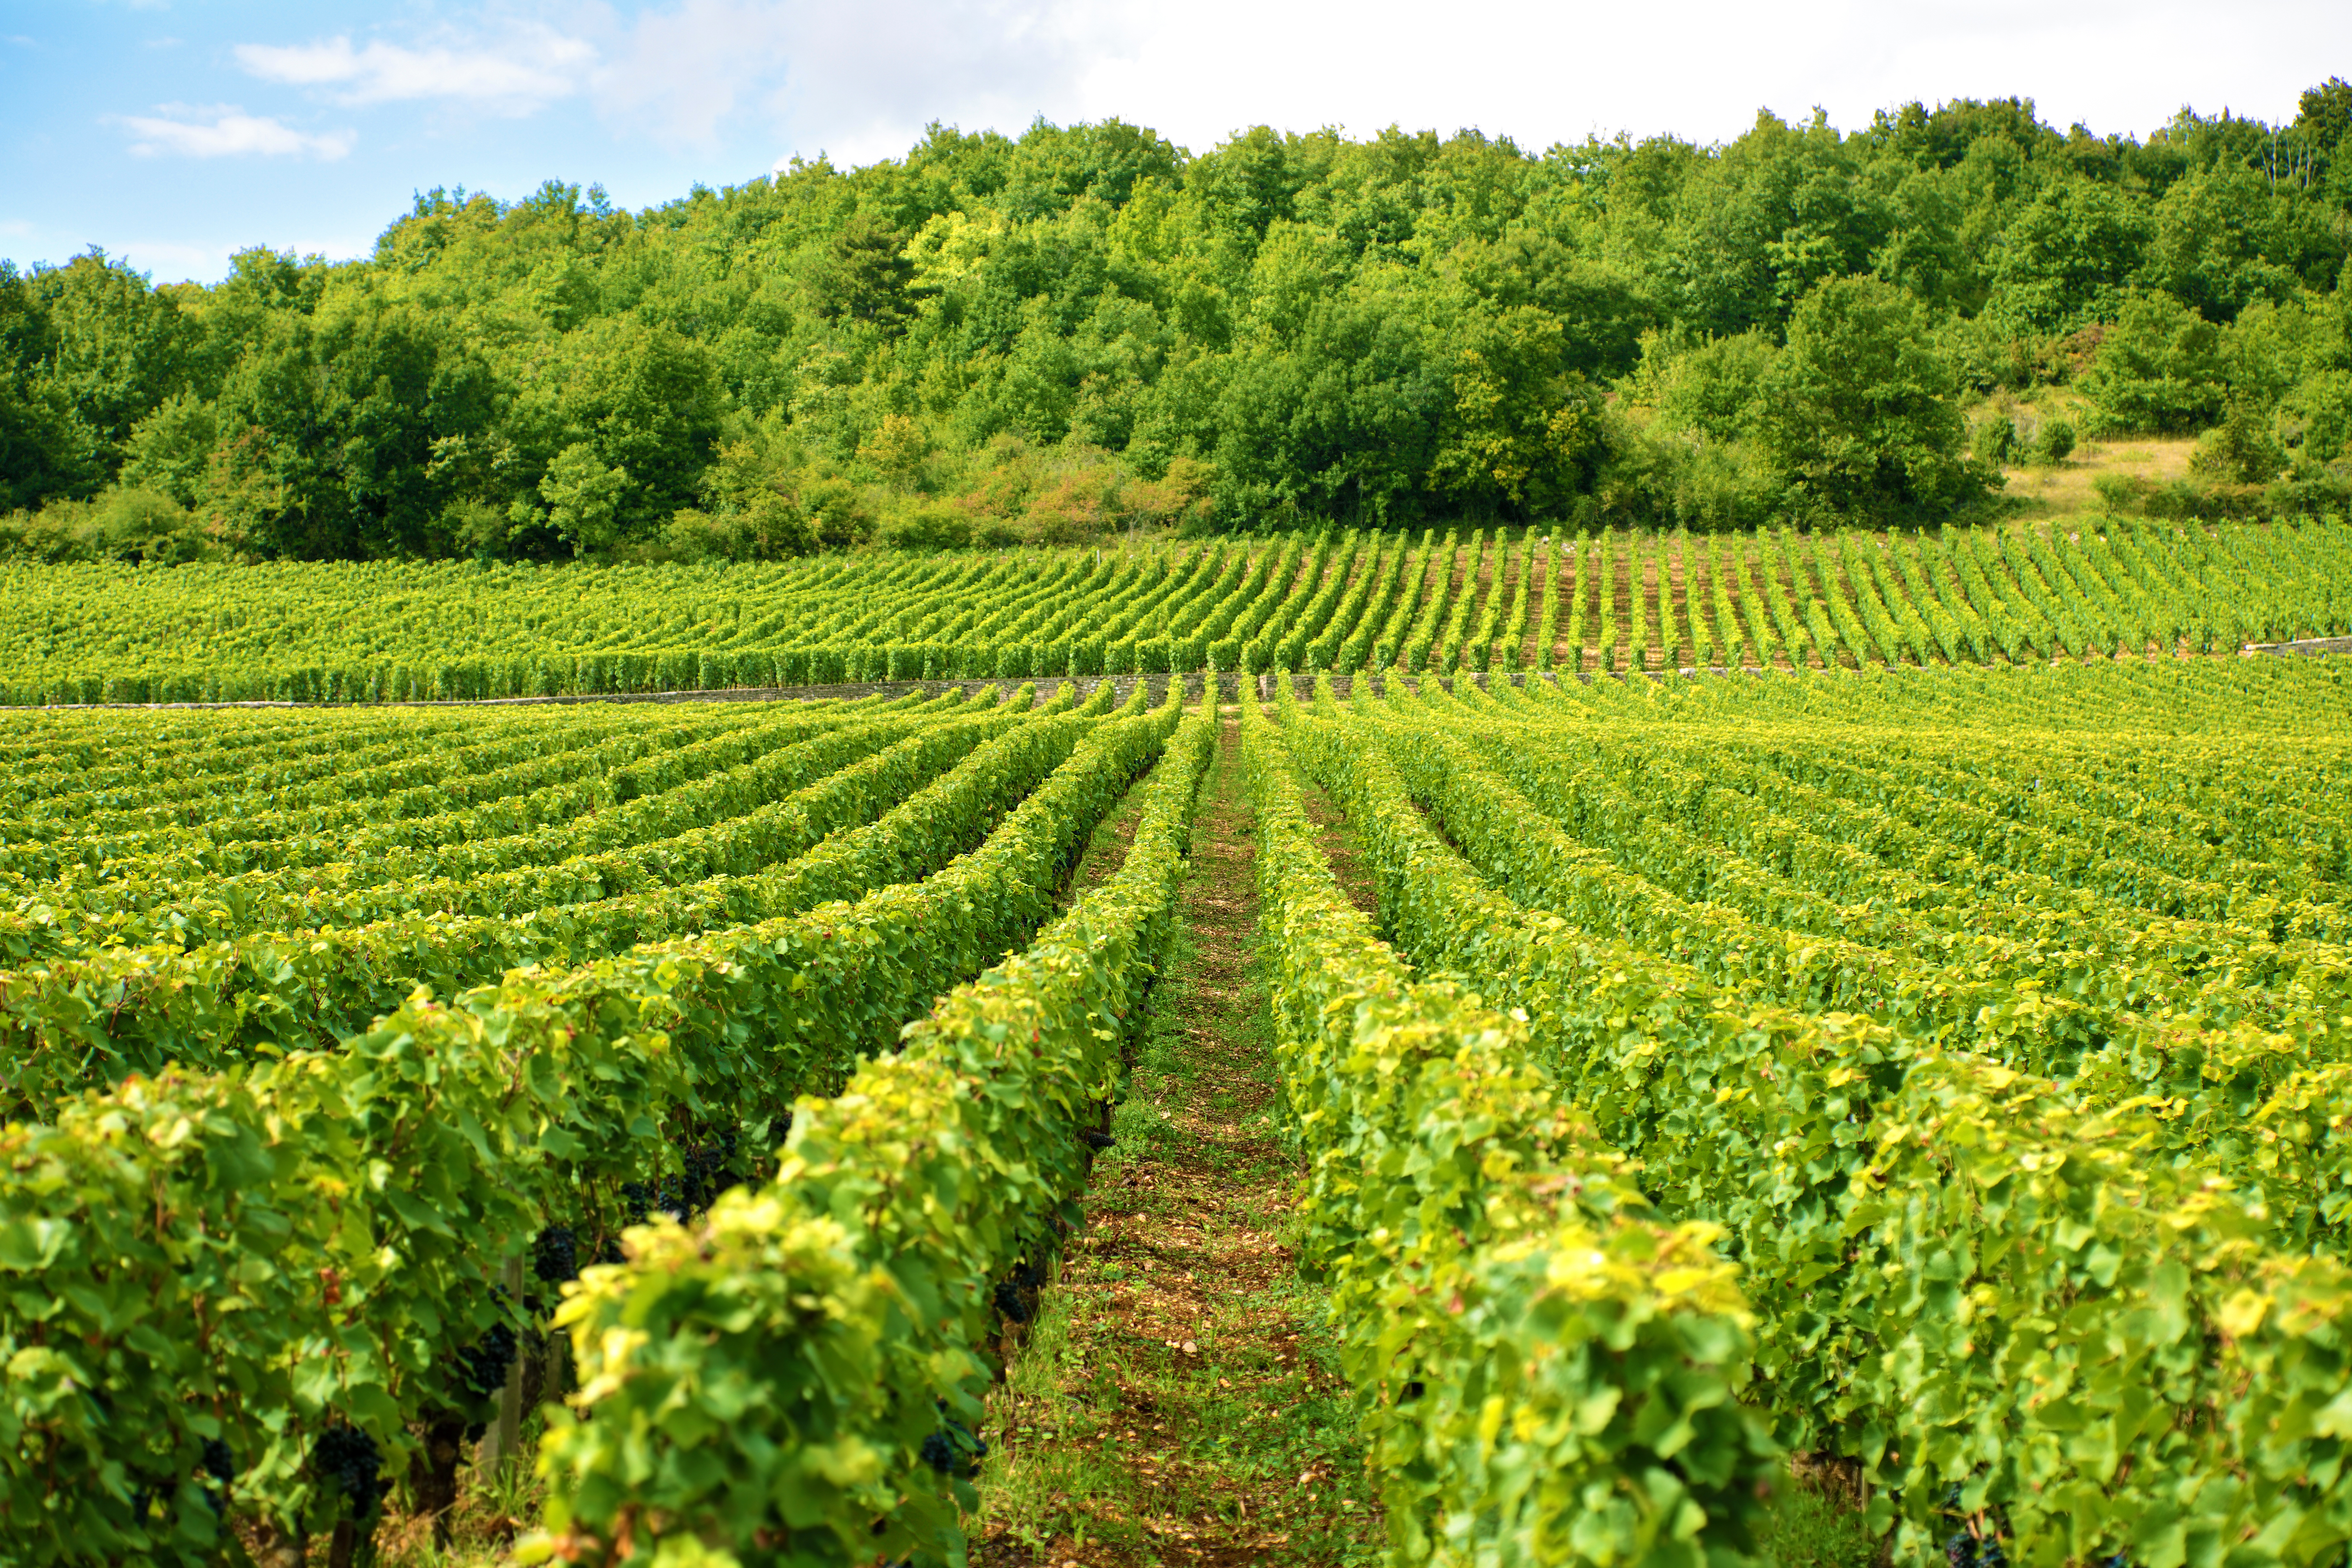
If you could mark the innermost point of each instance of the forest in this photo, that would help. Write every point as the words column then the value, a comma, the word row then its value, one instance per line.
column 1087, row 330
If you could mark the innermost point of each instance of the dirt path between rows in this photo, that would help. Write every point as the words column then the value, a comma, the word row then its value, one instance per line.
column 1176, row 1401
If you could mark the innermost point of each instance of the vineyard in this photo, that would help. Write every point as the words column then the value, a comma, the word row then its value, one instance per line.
column 314, row 1108
column 1949, row 1082
column 1926, row 1064
column 1479, row 601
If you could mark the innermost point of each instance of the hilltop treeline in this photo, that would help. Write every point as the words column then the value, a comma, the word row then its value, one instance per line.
column 1088, row 329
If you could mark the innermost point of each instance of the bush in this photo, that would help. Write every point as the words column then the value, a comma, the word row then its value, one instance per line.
column 1670, row 479
column 2180, row 499
column 2053, row 443
column 2319, row 414
column 2241, row 450
column 2307, row 489
column 1712, row 390
column 134, row 525
column 839, row 512
column 2121, row 492
column 1994, row 441
column 928, row 525
column 1076, row 508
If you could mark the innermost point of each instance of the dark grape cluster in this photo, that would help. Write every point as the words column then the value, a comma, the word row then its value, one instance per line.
column 1016, row 1294
column 708, row 1171
column 213, row 1464
column 482, row 1366
column 555, row 1255
column 218, row 1462
column 640, row 1201
column 1963, row 1548
column 348, row 1458
column 1965, row 1551
column 955, row 1449
column 1094, row 1140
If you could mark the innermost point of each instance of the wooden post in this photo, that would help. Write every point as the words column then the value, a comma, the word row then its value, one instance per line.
column 505, row 1432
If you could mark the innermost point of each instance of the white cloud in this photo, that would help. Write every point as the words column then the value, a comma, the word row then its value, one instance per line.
column 168, row 261
column 861, row 81
column 858, row 80
column 226, row 133
column 518, row 71
column 1696, row 68
column 679, row 73
column 864, row 81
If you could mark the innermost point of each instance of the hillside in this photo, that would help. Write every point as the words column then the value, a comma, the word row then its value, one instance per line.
column 1087, row 328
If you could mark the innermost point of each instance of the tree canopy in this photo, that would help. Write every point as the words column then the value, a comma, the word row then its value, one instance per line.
column 1086, row 327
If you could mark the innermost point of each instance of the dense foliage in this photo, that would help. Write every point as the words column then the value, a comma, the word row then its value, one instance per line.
column 335, row 1190
column 1995, row 1019
column 1086, row 328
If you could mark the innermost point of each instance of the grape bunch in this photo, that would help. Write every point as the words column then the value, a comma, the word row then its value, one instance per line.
column 1011, row 1301
column 955, row 1449
column 707, row 1173
column 348, row 1458
column 555, row 1255
column 708, row 1170
column 485, row 1361
column 482, row 1366
column 1963, row 1548
column 219, row 1464
column 1966, row 1551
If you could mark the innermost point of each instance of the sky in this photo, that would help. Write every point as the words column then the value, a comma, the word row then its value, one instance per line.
column 171, row 133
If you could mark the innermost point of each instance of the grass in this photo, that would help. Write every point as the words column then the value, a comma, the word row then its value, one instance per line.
column 2069, row 489
column 2057, row 491
column 490, row 1511
column 1816, row 1527
column 1177, row 1401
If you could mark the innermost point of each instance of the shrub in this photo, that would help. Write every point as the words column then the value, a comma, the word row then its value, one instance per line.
column 929, row 525
column 2054, row 442
column 2241, row 450
column 1994, row 441
column 2121, row 492
column 121, row 524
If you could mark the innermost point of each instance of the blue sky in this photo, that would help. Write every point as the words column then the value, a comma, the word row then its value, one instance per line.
column 171, row 132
